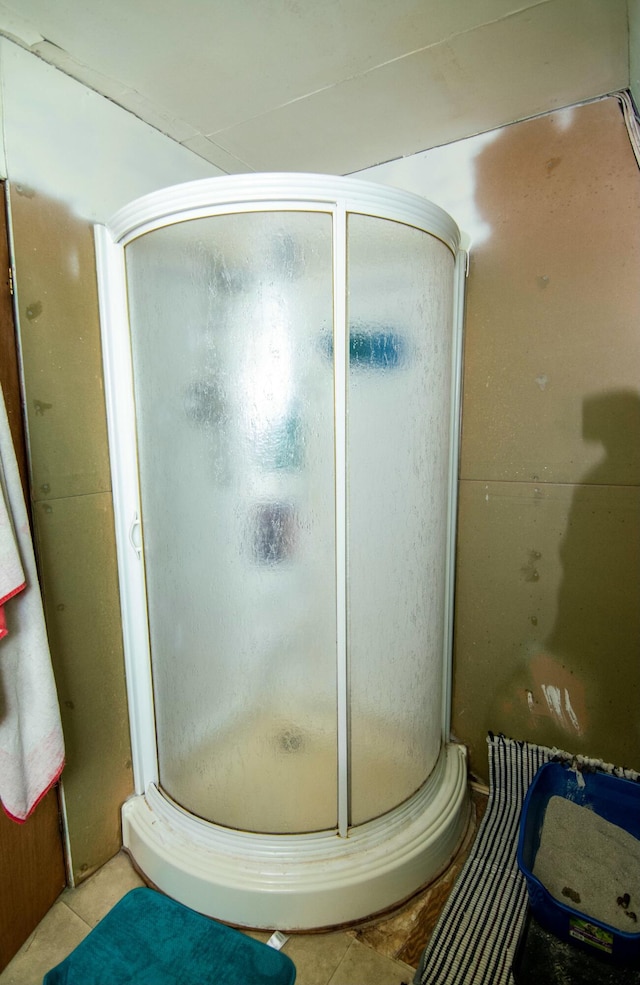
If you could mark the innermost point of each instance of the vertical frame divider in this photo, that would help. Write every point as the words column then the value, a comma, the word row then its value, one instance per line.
column 340, row 369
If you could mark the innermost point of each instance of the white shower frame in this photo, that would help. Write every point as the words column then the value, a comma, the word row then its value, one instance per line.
column 221, row 872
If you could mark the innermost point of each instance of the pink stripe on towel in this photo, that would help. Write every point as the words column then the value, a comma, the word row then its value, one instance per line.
column 3, row 601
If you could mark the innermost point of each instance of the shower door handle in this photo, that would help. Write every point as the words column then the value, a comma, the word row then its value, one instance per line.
column 135, row 535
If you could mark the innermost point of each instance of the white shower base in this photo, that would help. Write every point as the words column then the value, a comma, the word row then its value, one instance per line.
column 301, row 881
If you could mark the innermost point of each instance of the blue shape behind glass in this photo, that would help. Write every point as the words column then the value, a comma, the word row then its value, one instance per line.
column 372, row 348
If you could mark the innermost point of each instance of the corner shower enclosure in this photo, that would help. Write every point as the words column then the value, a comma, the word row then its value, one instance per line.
column 282, row 366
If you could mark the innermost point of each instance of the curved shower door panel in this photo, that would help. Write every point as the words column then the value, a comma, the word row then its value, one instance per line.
column 400, row 296
column 229, row 320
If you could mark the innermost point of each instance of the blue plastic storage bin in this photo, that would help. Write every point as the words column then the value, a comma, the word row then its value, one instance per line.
column 615, row 799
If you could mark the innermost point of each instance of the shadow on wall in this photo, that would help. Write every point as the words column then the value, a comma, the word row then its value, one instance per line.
column 587, row 681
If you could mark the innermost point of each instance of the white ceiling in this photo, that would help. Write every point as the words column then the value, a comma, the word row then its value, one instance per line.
column 328, row 85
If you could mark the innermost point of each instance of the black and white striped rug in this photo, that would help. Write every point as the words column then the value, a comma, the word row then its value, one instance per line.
column 475, row 939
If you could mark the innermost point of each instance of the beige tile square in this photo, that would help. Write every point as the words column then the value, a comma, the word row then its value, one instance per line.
column 93, row 899
column 362, row 966
column 316, row 956
column 57, row 934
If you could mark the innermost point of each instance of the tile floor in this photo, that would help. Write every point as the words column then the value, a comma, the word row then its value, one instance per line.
column 320, row 959
column 383, row 952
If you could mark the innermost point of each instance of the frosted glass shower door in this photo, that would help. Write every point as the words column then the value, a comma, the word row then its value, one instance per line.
column 229, row 318
column 400, row 297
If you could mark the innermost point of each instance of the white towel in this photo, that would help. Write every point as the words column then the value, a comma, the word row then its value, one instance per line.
column 31, row 743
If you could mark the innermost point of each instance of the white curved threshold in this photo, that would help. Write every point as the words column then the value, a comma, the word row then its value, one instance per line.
column 300, row 882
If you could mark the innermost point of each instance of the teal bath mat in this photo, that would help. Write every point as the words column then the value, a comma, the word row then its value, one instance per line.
column 150, row 939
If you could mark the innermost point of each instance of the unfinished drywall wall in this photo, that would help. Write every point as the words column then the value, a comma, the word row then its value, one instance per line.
column 547, row 620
